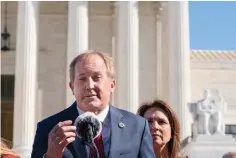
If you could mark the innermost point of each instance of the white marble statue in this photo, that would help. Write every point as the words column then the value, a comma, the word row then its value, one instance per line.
column 207, row 113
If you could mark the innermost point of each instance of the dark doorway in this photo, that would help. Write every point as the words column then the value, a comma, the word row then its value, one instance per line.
column 7, row 106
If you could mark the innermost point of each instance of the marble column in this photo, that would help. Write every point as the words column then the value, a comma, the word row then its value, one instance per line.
column 180, row 63
column 164, row 65
column 77, row 38
column 26, row 78
column 127, row 56
column 114, row 29
column 158, row 10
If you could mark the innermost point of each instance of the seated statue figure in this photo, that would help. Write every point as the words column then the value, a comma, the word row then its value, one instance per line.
column 207, row 113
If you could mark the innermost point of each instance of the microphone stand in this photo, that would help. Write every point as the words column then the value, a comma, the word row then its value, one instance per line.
column 90, row 141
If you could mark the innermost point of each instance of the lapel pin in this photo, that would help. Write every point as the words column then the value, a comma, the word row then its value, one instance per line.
column 121, row 125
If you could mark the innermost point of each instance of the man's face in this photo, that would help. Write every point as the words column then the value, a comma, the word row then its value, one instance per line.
column 92, row 86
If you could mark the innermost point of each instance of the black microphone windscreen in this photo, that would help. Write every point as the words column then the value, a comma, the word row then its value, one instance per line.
column 86, row 121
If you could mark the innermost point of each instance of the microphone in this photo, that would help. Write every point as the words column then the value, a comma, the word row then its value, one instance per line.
column 88, row 127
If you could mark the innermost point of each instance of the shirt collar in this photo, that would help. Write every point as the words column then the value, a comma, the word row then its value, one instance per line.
column 101, row 116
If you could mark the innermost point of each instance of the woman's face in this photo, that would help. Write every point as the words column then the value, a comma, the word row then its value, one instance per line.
column 159, row 126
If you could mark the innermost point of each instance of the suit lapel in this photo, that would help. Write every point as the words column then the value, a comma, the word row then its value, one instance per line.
column 77, row 147
column 116, row 130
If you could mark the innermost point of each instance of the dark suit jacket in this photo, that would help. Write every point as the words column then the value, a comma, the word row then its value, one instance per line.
column 132, row 141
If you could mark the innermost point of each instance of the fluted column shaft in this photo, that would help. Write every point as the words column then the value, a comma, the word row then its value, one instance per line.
column 25, row 77
column 127, row 56
column 77, row 37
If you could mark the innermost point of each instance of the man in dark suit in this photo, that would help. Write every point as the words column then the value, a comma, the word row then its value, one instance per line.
column 124, row 135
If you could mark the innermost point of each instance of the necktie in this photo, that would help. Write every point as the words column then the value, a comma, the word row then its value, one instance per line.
column 99, row 144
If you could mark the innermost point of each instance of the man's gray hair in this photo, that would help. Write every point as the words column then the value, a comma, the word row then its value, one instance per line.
column 107, row 60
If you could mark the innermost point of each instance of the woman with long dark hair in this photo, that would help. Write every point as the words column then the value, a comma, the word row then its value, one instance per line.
column 164, row 128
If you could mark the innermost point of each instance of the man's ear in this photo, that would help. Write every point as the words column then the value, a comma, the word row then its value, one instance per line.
column 113, row 85
column 71, row 85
